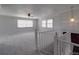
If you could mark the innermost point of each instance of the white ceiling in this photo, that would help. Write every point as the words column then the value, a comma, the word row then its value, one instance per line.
column 39, row 10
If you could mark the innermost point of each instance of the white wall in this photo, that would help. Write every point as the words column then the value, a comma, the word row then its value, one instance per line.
column 62, row 22
column 15, row 40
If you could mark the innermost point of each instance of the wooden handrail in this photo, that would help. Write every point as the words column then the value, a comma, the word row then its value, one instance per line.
column 74, row 44
column 45, row 31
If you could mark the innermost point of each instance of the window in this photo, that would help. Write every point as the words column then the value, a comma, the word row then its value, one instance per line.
column 24, row 23
column 44, row 23
column 47, row 23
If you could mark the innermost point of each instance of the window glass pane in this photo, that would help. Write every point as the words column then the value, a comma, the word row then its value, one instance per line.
column 44, row 23
column 50, row 21
column 29, row 23
column 49, row 25
column 24, row 23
